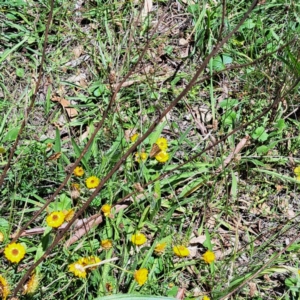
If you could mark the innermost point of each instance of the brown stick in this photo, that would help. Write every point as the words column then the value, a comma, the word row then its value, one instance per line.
column 236, row 150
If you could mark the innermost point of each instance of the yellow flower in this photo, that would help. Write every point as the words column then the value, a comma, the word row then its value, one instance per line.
column 205, row 298
column 14, row 252
column 77, row 269
column 181, row 251
column 92, row 182
column 162, row 143
column 75, row 186
column 138, row 239
column 298, row 178
column 299, row 272
column 90, row 260
column 141, row 276
column 106, row 244
column 78, row 171
column 160, row 248
column 69, row 214
column 106, row 209
column 297, row 171
column 32, row 284
column 141, row 156
column 2, row 150
column 55, row 219
column 134, row 137
column 4, row 288
column 1, row 237
column 208, row 257
column 162, row 156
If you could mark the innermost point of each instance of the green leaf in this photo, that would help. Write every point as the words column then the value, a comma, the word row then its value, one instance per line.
column 192, row 9
column 7, row 52
column 248, row 24
column 191, row 187
column 173, row 291
column 228, row 103
column 155, row 134
column 260, row 134
column 218, row 63
column 57, row 143
column 277, row 175
column 290, row 282
column 4, row 223
column 280, row 124
column 11, row 135
column 77, row 151
column 20, row 72
column 262, row 150
column 229, row 118
column 207, row 243
column 226, row 59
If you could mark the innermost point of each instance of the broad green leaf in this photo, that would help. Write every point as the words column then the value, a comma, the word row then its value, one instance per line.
column 229, row 103
column 4, row 223
column 11, row 135
column 262, row 150
column 20, row 72
column 226, row 59
column 218, row 63
column 280, row 124
column 260, row 134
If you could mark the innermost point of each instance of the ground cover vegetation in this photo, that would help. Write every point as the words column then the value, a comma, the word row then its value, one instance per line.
column 149, row 148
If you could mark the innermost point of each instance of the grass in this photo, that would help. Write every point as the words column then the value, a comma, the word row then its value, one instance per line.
column 228, row 186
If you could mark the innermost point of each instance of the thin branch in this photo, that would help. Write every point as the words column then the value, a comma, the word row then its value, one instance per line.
column 223, row 18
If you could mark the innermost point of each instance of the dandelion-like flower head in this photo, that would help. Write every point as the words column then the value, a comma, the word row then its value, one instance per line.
column 209, row 257
column 77, row 269
column 92, row 182
column 160, row 248
column 106, row 244
column 32, row 284
column 106, row 209
column 55, row 219
column 141, row 156
column 69, row 214
column 4, row 288
column 78, row 171
column 134, row 137
column 162, row 156
column 297, row 171
column 162, row 143
column 181, row 251
column 1, row 236
column 138, row 239
column 14, row 252
column 141, row 276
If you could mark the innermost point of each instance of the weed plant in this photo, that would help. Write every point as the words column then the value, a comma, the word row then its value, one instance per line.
column 205, row 206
